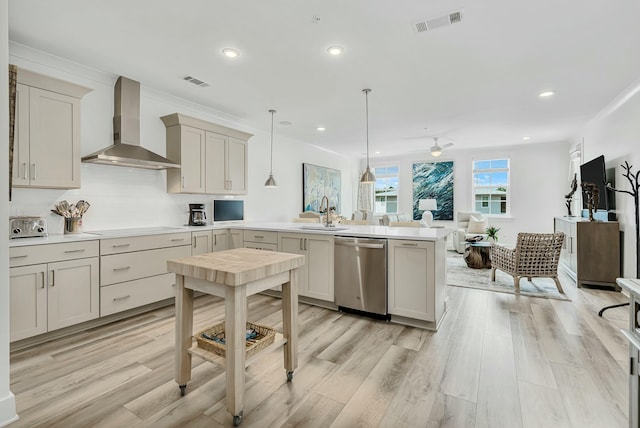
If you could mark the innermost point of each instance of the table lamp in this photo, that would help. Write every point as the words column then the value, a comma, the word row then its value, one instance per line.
column 427, row 205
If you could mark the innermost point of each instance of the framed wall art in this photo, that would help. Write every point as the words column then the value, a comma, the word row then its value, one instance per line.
column 433, row 180
column 318, row 181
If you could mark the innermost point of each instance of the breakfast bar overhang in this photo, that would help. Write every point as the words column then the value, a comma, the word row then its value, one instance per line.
column 234, row 275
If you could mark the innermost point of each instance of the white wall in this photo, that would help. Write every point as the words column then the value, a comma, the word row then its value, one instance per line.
column 128, row 197
column 615, row 133
column 538, row 184
column 7, row 400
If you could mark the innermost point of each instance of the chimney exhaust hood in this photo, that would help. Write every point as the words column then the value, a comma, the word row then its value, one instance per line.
column 126, row 150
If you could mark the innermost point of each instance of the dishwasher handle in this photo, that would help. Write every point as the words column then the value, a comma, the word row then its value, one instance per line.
column 355, row 244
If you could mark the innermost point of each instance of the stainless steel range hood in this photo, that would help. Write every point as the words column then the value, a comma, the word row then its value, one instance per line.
column 126, row 150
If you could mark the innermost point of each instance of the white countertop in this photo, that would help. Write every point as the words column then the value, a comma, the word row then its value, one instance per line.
column 384, row 232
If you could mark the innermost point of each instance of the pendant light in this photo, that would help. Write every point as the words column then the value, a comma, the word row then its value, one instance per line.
column 368, row 176
column 271, row 182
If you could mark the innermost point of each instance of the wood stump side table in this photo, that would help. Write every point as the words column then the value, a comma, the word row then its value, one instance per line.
column 477, row 255
column 234, row 275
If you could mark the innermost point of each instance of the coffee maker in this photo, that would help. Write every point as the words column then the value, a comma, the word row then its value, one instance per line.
column 197, row 216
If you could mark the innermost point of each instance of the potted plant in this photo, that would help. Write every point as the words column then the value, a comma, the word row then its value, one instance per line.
column 492, row 233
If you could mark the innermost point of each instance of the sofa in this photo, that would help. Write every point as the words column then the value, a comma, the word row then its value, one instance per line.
column 469, row 224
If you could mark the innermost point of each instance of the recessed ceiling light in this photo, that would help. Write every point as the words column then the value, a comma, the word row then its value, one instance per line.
column 231, row 52
column 335, row 50
column 321, row 128
column 526, row 138
column 285, row 123
column 546, row 94
column 377, row 153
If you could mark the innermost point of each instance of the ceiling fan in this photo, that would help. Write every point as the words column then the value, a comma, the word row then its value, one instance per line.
column 436, row 149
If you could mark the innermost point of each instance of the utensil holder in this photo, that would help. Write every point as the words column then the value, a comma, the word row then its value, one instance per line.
column 73, row 225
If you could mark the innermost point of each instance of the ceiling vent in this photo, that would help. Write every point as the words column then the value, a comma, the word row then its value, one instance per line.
column 441, row 21
column 196, row 82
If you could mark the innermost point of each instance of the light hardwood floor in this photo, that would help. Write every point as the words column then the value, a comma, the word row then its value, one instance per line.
column 498, row 360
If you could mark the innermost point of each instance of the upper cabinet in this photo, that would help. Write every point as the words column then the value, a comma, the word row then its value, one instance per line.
column 47, row 132
column 212, row 158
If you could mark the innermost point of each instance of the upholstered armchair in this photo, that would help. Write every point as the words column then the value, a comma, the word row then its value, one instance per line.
column 536, row 256
column 468, row 225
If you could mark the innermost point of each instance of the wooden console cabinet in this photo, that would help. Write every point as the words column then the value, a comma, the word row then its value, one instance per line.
column 591, row 250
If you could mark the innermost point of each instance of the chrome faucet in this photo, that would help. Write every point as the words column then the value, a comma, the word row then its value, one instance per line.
column 327, row 219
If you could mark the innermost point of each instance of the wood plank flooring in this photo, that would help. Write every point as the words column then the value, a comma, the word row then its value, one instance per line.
column 499, row 360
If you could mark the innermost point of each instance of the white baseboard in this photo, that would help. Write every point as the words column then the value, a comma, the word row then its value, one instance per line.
column 8, row 410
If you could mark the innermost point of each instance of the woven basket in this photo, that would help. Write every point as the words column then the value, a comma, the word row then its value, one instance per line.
column 266, row 337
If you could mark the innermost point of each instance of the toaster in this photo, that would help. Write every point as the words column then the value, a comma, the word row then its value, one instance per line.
column 27, row 227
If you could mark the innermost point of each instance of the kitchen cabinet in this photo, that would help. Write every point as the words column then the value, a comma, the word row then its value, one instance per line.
column 591, row 250
column 209, row 241
column 213, row 158
column 316, row 276
column 133, row 270
column 417, row 280
column 260, row 239
column 47, row 138
column 235, row 238
column 61, row 289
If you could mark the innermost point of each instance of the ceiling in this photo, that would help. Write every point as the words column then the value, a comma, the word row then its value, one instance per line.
column 476, row 81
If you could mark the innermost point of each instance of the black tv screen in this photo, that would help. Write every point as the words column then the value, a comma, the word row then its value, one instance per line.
column 227, row 210
column 594, row 172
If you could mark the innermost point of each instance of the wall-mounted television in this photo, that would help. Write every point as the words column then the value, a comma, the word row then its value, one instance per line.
column 594, row 172
column 228, row 210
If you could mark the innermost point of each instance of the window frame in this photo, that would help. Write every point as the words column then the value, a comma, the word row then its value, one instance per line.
column 474, row 187
column 387, row 165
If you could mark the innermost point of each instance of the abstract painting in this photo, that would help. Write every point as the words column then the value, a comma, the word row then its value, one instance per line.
column 318, row 181
column 433, row 180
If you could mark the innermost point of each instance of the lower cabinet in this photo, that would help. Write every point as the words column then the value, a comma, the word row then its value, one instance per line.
column 417, row 280
column 47, row 297
column 209, row 241
column 316, row 276
column 235, row 239
column 129, row 279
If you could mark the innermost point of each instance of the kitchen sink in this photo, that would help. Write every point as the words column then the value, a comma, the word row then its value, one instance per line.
column 321, row 227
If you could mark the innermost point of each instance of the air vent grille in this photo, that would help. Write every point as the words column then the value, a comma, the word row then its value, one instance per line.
column 441, row 21
column 196, row 82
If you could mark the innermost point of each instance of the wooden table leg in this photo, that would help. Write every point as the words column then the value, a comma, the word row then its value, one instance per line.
column 235, row 325
column 290, row 322
column 184, row 331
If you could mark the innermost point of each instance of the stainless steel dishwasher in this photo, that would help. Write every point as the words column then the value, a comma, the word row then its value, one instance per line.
column 360, row 277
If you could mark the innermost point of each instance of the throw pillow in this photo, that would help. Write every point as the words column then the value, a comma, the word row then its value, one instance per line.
column 477, row 225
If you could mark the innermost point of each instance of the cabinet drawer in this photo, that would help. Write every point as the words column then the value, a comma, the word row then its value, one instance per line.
column 138, row 243
column 129, row 266
column 33, row 254
column 131, row 294
column 261, row 236
column 259, row 246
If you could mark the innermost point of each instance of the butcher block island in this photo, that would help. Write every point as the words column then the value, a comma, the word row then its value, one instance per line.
column 234, row 275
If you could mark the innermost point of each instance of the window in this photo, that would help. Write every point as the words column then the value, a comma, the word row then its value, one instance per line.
column 491, row 186
column 386, row 190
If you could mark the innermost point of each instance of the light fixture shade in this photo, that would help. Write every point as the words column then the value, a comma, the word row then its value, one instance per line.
column 436, row 151
column 427, row 204
column 368, row 176
column 271, row 182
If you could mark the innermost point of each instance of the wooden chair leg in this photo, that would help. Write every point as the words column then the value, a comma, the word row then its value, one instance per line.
column 557, row 281
column 516, row 283
column 493, row 274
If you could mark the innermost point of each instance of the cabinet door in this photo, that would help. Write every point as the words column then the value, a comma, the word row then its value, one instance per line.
column 192, row 167
column 236, row 166
column 293, row 243
column 216, row 181
column 201, row 242
column 73, row 293
column 54, row 139
column 28, row 301
column 220, row 240
column 572, row 246
column 412, row 279
column 21, row 161
column 235, row 238
column 319, row 261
